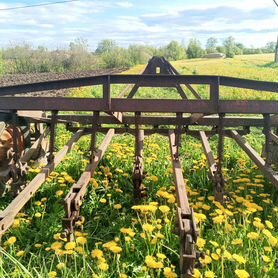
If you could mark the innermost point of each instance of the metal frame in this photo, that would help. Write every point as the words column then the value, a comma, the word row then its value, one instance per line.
column 211, row 116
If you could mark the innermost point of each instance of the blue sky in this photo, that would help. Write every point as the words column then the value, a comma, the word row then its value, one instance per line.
column 155, row 22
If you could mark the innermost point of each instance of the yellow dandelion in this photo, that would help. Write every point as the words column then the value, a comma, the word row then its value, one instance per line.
column 59, row 193
column 201, row 243
column 227, row 255
column 61, row 266
column 209, row 274
column 269, row 225
column 56, row 245
column 70, row 245
column 239, row 259
column 253, row 235
column 161, row 256
column 164, row 209
column 197, row 273
column 52, row 274
column 237, row 241
column 206, row 260
column 215, row 256
column 11, row 240
column 115, row 249
column 97, row 253
column 241, row 273
column 103, row 266
column 20, row 253
column 266, row 259
column 168, row 273
column 117, row 206
column 38, row 215
column 148, row 228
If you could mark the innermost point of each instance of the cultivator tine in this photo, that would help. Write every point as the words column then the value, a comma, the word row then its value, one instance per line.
column 268, row 140
column 220, row 182
column 187, row 227
column 255, row 157
column 8, row 215
column 52, row 136
column 74, row 198
column 209, row 156
column 138, row 170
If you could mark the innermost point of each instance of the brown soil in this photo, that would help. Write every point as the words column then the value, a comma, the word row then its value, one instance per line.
column 17, row 79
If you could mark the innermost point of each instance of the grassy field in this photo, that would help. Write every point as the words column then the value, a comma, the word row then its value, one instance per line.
column 121, row 240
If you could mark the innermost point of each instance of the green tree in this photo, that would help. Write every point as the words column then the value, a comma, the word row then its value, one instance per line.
column 270, row 47
column 211, row 45
column 106, row 46
column 118, row 58
column 139, row 54
column 230, row 47
column 194, row 49
column 174, row 51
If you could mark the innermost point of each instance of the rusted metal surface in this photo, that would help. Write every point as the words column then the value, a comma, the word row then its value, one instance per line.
column 186, row 223
column 73, row 200
column 8, row 215
column 140, row 117
column 209, row 155
column 138, row 169
column 256, row 158
column 228, row 121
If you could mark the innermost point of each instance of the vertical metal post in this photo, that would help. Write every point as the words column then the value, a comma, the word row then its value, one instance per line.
column 52, row 136
column 178, row 133
column 107, row 93
column 214, row 93
column 94, row 135
column 268, row 141
column 16, row 137
column 138, row 170
column 220, row 183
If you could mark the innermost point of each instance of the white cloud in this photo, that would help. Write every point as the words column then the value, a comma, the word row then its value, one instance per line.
column 128, row 23
column 125, row 4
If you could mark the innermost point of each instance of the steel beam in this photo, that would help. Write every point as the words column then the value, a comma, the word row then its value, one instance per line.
column 76, row 194
column 256, row 158
column 168, row 120
column 209, row 155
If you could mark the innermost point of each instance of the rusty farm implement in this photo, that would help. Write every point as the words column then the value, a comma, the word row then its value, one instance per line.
column 28, row 123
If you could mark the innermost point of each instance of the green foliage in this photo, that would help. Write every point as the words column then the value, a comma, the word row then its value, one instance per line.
column 174, row 51
column 211, row 45
column 194, row 49
column 106, row 46
column 139, row 54
column 230, row 46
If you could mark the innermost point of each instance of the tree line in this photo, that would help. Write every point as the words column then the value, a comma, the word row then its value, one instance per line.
column 23, row 58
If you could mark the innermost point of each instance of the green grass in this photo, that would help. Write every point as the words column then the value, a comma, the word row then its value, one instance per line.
column 253, row 200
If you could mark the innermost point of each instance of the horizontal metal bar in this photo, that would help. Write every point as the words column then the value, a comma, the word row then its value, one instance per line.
column 168, row 120
column 141, row 80
column 255, row 157
column 249, row 84
column 248, row 106
column 140, row 105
